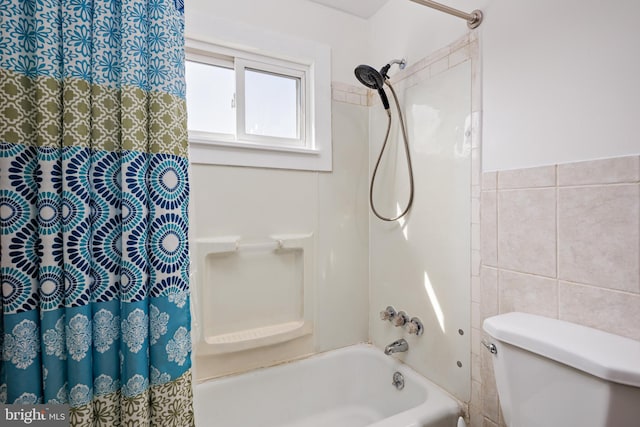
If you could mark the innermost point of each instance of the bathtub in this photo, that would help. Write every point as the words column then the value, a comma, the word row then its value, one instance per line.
column 350, row 387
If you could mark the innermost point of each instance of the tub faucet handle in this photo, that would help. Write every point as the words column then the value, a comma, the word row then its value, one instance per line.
column 388, row 314
column 415, row 326
column 401, row 319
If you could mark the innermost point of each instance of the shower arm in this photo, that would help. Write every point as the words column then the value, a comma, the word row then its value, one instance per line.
column 474, row 19
column 402, row 63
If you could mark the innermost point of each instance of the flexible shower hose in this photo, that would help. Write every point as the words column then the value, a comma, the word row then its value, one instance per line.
column 408, row 157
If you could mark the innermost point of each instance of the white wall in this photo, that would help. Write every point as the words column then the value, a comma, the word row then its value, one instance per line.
column 346, row 34
column 403, row 29
column 561, row 81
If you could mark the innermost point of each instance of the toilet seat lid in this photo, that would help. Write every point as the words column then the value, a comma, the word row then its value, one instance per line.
column 604, row 355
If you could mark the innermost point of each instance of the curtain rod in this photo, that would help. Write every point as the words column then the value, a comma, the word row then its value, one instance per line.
column 473, row 19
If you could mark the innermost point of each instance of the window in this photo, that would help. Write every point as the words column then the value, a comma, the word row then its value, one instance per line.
column 211, row 91
column 252, row 109
column 272, row 105
column 232, row 99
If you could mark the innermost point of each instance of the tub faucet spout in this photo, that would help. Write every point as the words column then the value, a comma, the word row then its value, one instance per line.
column 398, row 346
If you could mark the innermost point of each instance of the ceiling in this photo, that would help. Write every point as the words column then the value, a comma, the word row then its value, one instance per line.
column 362, row 8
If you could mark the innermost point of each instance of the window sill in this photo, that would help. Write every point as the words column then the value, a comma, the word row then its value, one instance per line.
column 211, row 144
column 249, row 154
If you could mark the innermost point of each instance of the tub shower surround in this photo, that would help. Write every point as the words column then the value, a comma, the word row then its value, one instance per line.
column 424, row 269
column 332, row 206
column 560, row 241
column 463, row 52
column 323, row 193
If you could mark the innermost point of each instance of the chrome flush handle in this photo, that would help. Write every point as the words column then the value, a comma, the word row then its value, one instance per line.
column 490, row 346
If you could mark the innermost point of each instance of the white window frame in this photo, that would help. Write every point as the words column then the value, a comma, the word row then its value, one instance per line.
column 304, row 139
column 308, row 61
column 218, row 61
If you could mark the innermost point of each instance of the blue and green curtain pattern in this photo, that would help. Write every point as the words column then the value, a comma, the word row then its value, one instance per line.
column 93, row 210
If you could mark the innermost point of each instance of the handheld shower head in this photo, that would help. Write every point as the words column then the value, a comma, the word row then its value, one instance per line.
column 376, row 80
column 371, row 78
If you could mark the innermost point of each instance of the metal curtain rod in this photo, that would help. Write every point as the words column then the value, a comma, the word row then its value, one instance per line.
column 473, row 19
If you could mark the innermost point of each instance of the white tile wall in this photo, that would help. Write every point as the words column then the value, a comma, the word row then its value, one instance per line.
column 528, row 293
column 544, row 176
column 599, row 248
column 527, row 230
column 606, row 171
column 617, row 312
column 349, row 94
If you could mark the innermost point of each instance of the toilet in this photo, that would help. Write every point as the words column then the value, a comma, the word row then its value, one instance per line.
column 552, row 373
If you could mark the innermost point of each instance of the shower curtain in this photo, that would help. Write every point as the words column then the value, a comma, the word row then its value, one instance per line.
column 93, row 210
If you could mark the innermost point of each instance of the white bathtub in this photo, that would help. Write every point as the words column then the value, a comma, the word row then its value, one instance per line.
column 350, row 387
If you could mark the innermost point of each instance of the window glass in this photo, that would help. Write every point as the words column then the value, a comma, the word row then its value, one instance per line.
column 271, row 104
column 210, row 94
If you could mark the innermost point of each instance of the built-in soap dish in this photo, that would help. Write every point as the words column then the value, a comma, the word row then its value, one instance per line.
column 257, row 337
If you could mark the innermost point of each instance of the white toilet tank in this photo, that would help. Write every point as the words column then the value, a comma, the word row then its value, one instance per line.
column 552, row 373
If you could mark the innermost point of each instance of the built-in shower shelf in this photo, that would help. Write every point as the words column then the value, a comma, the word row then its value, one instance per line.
column 257, row 337
column 267, row 283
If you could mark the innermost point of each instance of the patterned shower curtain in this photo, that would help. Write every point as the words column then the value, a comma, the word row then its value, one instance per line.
column 93, row 210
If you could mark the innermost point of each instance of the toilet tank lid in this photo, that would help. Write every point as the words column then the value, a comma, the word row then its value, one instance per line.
column 604, row 355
